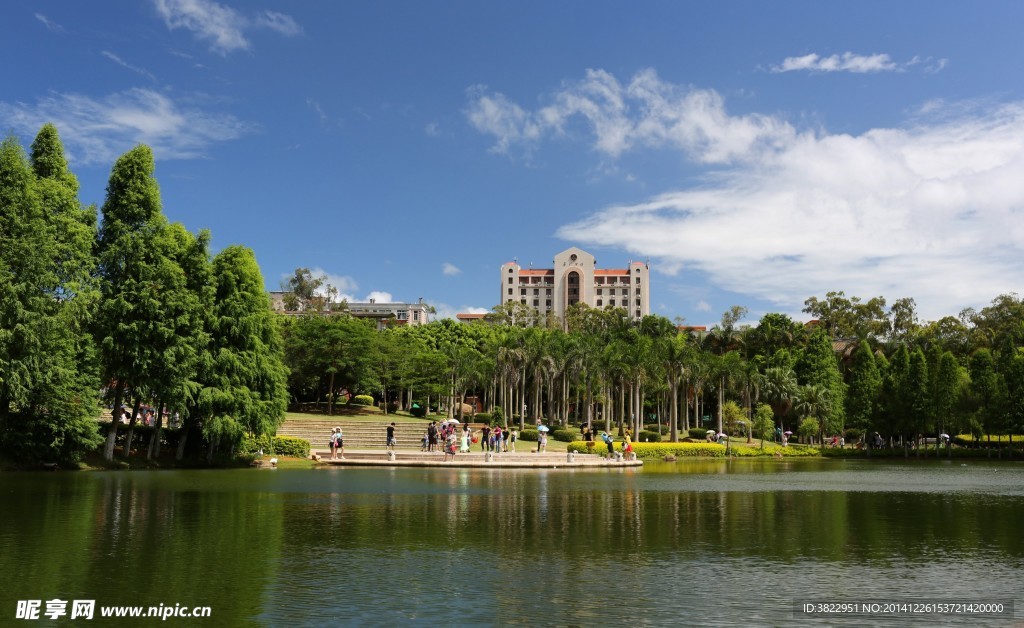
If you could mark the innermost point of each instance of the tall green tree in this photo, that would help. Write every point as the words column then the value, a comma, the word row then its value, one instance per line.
column 139, row 279
column 47, row 375
column 865, row 385
column 248, row 390
column 818, row 366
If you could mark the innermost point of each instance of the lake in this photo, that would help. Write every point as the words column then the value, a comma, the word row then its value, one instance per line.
column 695, row 542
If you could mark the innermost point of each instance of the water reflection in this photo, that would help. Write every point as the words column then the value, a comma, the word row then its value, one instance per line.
column 702, row 542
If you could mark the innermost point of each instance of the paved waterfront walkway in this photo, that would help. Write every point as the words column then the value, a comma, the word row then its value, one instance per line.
column 476, row 460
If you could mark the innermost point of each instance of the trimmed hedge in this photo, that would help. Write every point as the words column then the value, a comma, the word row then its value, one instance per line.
column 531, row 435
column 283, row 446
column 362, row 400
column 566, row 436
column 482, row 417
column 655, row 451
column 697, row 432
column 771, row 449
column 649, row 437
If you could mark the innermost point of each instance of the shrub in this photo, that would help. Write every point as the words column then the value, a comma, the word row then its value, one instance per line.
column 697, row 432
column 771, row 449
column 393, row 407
column 853, row 435
column 283, row 446
column 418, row 410
column 482, row 417
column 362, row 400
column 566, row 436
column 497, row 415
column 530, row 435
column 649, row 437
column 653, row 427
column 655, row 451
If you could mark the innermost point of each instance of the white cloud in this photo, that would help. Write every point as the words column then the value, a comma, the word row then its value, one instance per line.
column 98, row 130
column 121, row 62
column 284, row 24
column 846, row 62
column 932, row 211
column 52, row 26
column 380, row 297
column 450, row 269
column 432, row 129
column 220, row 25
column 345, row 285
column 702, row 306
column 646, row 112
column 445, row 310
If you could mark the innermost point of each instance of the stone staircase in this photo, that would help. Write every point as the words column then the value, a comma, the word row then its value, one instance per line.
column 357, row 434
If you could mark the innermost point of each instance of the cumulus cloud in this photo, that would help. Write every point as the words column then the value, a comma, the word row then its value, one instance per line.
column 98, row 130
column 380, row 297
column 221, row 26
column 646, row 112
column 932, row 211
column 446, row 310
column 450, row 269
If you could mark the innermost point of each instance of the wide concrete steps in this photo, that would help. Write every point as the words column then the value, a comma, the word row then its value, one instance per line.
column 357, row 434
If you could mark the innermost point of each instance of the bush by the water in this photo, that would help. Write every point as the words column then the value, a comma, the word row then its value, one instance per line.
column 283, row 446
column 771, row 449
column 530, row 435
column 566, row 436
column 362, row 400
column 649, row 437
column 655, row 451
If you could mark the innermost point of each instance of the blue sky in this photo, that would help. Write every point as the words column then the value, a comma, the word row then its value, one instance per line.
column 756, row 153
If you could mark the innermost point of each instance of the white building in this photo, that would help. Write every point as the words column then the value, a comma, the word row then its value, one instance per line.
column 383, row 313
column 575, row 278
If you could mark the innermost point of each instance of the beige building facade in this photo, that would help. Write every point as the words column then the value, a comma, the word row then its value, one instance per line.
column 575, row 278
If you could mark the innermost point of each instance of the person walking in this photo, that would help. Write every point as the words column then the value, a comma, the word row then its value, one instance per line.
column 391, row 437
column 485, row 438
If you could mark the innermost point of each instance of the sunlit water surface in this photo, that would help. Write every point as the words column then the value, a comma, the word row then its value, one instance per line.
column 699, row 542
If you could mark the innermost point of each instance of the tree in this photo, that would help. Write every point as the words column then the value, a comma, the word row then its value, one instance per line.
column 139, row 282
column 47, row 375
column 247, row 392
column 864, row 388
column 818, row 366
column 764, row 422
column 918, row 396
column 306, row 293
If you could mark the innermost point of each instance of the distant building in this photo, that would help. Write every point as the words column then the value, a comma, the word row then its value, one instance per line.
column 384, row 314
column 575, row 278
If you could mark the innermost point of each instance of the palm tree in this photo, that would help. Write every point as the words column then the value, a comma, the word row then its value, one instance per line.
column 779, row 388
column 814, row 402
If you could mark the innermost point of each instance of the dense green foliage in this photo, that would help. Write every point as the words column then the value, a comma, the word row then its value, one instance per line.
column 132, row 313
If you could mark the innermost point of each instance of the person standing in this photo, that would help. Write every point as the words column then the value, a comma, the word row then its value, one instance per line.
column 333, row 444
column 513, row 437
column 485, row 438
column 627, row 443
column 466, row 434
column 391, row 437
column 496, row 440
column 341, row 445
column 432, row 436
column 608, row 440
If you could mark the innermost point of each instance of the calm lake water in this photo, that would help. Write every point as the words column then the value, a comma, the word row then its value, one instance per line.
column 700, row 542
